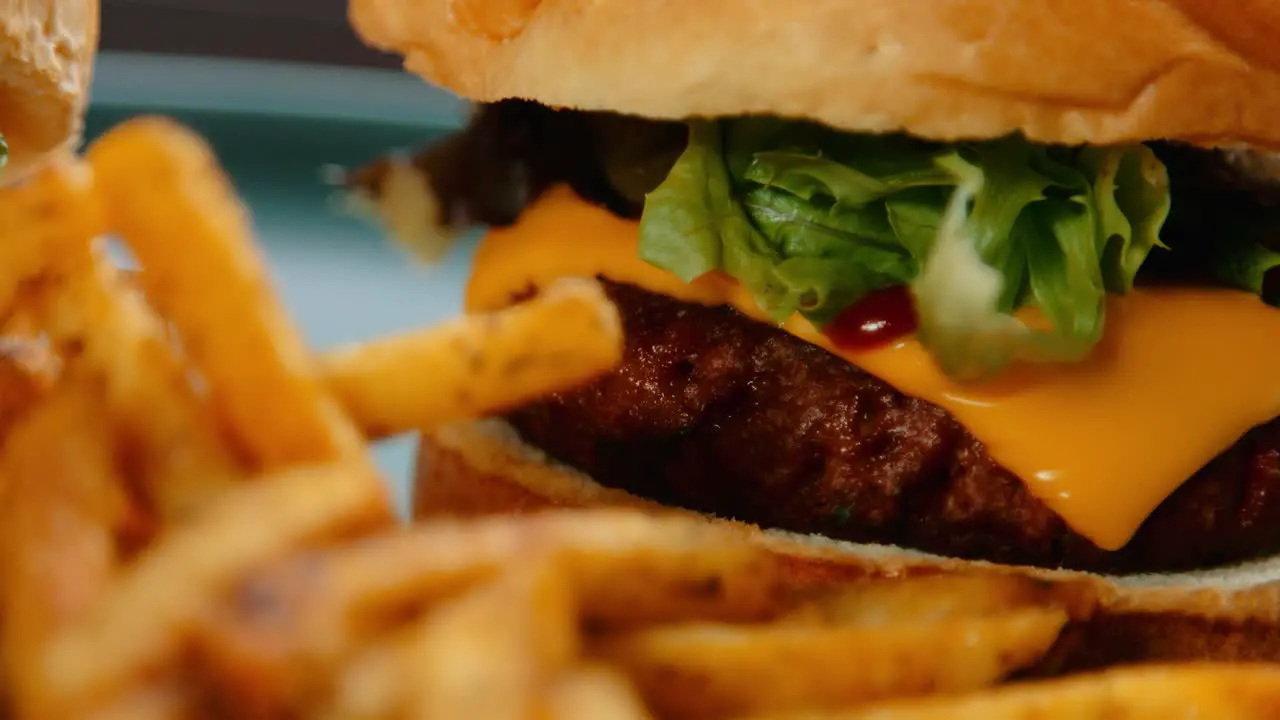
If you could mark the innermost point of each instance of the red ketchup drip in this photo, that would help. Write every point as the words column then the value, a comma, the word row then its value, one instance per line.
column 878, row 319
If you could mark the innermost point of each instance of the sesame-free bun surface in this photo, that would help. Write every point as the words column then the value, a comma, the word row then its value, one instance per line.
column 1096, row 71
column 47, row 48
column 1233, row 613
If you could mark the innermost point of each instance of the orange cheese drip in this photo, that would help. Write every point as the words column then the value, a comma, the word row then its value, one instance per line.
column 1180, row 376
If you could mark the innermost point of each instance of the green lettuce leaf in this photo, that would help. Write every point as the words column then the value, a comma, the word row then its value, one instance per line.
column 682, row 226
column 810, row 220
column 1074, row 237
column 1242, row 254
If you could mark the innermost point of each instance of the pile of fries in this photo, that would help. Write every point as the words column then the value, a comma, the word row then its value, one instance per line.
column 191, row 525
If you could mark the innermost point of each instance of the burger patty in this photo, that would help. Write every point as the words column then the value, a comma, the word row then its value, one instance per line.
column 714, row 412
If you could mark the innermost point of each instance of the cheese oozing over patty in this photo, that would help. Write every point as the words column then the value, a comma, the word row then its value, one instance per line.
column 1180, row 375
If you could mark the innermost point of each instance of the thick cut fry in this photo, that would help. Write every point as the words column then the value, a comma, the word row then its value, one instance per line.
column 61, row 506
column 937, row 598
column 144, row 619
column 58, row 202
column 714, row 671
column 182, row 460
column 86, row 308
column 1186, row 692
column 478, row 364
column 168, row 700
column 594, row 692
column 293, row 624
column 488, row 654
column 28, row 369
column 191, row 235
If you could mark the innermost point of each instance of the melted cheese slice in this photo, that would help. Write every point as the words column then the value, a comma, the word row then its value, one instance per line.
column 1180, row 376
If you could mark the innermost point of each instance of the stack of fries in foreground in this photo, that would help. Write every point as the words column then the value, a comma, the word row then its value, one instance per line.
column 192, row 525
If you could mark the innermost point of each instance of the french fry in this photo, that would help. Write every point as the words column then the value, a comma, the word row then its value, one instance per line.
column 289, row 627
column 144, row 618
column 488, row 654
column 937, row 598
column 183, row 461
column 715, row 671
column 28, row 370
column 190, row 233
column 163, row 700
column 477, row 364
column 1193, row 690
column 21, row 322
column 628, row 568
column 594, row 692
column 57, row 202
column 61, row 507
column 82, row 303
column 483, row 657
column 635, row 569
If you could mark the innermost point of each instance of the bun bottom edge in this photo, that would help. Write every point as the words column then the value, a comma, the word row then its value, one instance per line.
column 1229, row 614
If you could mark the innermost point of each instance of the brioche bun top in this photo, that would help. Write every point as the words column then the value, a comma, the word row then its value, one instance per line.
column 47, row 49
column 1059, row 71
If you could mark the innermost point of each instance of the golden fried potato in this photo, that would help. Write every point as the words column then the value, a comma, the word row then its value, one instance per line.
column 1177, row 692
column 593, row 692
column 78, row 300
column 715, row 671
column 490, row 653
column 62, row 506
column 28, row 371
column 162, row 183
column 478, row 364
column 626, row 568
column 166, row 699
column 936, row 598
column 141, row 622
column 181, row 458
column 58, row 202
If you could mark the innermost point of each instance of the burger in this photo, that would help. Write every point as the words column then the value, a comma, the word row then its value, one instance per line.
column 47, row 50
column 908, row 285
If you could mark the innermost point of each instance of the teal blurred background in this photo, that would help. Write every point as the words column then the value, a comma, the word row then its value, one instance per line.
column 275, row 127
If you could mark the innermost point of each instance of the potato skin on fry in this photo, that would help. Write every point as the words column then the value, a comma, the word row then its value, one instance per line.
column 490, row 362
column 709, row 671
column 487, row 653
column 290, row 624
column 181, row 459
column 1222, row 692
column 28, row 371
column 595, row 691
column 63, row 510
column 161, row 181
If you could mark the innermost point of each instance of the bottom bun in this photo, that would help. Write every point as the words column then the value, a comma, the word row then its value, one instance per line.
column 1229, row 613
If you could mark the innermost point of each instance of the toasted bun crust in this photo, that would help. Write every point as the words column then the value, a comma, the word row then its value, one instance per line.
column 1230, row 613
column 1071, row 71
column 47, row 49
